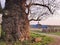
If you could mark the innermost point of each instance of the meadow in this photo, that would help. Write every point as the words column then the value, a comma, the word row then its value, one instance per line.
column 45, row 39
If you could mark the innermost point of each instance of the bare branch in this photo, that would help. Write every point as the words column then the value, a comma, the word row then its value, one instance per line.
column 43, row 6
column 38, row 18
column 48, row 7
column 35, row 19
column 28, row 6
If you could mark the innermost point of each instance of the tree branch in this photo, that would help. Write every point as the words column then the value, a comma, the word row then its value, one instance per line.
column 35, row 19
column 43, row 6
column 28, row 6
column 38, row 17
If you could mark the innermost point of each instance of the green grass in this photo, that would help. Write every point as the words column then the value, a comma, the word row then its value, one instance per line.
column 45, row 40
column 37, row 31
column 55, row 33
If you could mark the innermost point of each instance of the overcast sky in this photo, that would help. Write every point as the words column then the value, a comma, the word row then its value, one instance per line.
column 2, row 3
column 53, row 20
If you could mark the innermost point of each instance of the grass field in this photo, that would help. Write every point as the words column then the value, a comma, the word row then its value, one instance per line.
column 55, row 33
column 45, row 40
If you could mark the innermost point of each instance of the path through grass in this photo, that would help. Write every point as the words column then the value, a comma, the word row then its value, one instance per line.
column 45, row 40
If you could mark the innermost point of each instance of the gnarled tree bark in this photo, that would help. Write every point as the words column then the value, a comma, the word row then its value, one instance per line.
column 15, row 21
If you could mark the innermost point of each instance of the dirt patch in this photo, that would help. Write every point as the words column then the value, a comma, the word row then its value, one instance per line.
column 55, row 37
column 56, row 42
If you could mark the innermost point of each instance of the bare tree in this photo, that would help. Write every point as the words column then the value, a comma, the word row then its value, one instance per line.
column 41, row 9
column 15, row 17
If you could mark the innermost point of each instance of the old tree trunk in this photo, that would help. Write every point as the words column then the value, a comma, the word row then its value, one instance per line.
column 15, row 21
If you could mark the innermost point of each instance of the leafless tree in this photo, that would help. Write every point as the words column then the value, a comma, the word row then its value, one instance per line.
column 16, row 13
column 41, row 9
